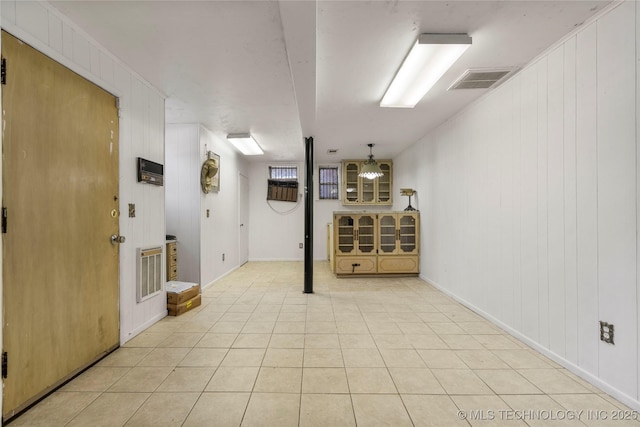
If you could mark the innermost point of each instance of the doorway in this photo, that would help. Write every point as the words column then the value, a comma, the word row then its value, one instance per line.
column 243, row 213
column 60, row 191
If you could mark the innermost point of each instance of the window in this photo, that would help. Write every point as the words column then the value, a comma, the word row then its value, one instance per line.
column 283, row 172
column 328, row 182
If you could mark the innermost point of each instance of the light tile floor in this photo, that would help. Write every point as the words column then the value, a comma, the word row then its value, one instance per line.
column 359, row 351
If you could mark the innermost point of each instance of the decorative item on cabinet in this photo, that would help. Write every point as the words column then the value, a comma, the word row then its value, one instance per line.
column 376, row 243
column 362, row 191
column 408, row 192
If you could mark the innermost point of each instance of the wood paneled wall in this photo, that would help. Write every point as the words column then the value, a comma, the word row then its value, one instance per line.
column 530, row 202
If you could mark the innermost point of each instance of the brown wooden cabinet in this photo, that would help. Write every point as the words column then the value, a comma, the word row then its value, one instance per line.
column 172, row 261
column 376, row 243
column 362, row 191
column 398, row 248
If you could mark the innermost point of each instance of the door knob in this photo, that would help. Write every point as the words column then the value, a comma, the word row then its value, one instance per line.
column 117, row 239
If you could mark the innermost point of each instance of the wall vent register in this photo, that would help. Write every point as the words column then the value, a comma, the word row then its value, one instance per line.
column 149, row 281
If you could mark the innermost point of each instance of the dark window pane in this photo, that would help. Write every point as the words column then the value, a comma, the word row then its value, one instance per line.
column 328, row 183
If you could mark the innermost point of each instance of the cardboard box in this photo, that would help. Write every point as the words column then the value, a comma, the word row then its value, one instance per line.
column 180, row 292
column 178, row 309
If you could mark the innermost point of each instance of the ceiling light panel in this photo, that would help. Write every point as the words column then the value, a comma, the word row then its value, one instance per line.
column 245, row 143
column 430, row 57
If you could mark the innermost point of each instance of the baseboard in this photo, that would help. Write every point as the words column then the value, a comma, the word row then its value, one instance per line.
column 131, row 335
column 587, row 376
column 220, row 277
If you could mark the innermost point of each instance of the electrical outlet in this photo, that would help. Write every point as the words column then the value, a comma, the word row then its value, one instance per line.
column 223, row 257
column 207, row 213
column 606, row 332
column 300, row 245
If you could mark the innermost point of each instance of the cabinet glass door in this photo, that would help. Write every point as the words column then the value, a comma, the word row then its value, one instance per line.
column 408, row 234
column 366, row 234
column 351, row 182
column 387, row 230
column 345, row 237
column 368, row 190
column 384, row 184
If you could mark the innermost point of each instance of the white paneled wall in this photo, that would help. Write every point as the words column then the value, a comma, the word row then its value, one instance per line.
column 141, row 135
column 202, row 239
column 221, row 230
column 182, row 208
column 277, row 228
column 529, row 202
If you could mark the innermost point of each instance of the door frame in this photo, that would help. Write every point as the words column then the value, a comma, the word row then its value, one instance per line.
column 63, row 60
column 243, row 243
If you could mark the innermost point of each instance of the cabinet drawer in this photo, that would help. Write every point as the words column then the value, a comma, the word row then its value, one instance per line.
column 172, row 261
column 398, row 264
column 355, row 265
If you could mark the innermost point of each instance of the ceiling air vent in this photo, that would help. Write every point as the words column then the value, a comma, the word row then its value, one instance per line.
column 481, row 78
column 332, row 151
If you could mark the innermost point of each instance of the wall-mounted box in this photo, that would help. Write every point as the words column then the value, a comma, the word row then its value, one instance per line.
column 150, row 172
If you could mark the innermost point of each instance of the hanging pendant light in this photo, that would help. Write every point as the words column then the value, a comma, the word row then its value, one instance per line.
column 370, row 169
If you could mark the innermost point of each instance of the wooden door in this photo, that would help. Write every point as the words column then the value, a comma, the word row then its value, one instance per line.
column 243, row 209
column 60, row 189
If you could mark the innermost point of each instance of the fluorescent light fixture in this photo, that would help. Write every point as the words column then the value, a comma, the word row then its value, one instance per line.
column 245, row 143
column 430, row 57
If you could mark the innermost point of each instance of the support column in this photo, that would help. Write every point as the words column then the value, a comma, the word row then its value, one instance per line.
column 308, row 217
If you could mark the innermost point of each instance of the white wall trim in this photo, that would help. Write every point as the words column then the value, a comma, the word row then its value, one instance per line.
column 142, row 328
column 208, row 285
column 67, row 62
column 607, row 388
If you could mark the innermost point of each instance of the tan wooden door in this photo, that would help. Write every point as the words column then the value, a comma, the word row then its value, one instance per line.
column 60, row 189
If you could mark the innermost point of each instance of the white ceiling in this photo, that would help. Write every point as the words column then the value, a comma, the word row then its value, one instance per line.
column 284, row 70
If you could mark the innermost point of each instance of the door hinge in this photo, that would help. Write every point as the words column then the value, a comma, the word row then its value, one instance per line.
column 3, row 71
column 118, row 103
column 5, row 364
column 4, row 220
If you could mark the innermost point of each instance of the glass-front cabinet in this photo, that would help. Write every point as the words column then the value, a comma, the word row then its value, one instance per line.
column 355, row 243
column 362, row 191
column 351, row 182
column 366, row 234
column 376, row 243
column 355, row 234
column 384, row 184
column 345, row 231
column 398, row 233
column 387, row 224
